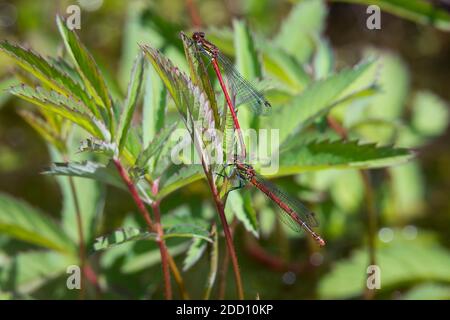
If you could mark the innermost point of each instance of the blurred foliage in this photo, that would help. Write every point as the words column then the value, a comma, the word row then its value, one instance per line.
column 122, row 106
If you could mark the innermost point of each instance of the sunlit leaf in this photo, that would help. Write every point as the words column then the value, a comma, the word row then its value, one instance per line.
column 321, row 155
column 50, row 75
column 315, row 101
column 86, row 66
column 55, row 103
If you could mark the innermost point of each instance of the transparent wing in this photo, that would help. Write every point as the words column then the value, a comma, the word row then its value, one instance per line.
column 244, row 91
column 300, row 209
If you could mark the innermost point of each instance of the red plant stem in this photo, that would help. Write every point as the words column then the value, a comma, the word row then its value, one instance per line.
column 193, row 12
column 162, row 247
column 228, row 237
column 230, row 106
column 152, row 227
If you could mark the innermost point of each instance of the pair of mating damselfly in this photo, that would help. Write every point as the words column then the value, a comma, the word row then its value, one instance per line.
column 294, row 213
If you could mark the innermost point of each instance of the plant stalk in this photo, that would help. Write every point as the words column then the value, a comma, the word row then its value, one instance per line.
column 228, row 237
column 152, row 227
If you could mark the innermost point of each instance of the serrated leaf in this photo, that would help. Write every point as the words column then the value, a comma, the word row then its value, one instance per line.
column 93, row 80
column 50, row 75
column 155, row 145
column 130, row 103
column 87, row 169
column 23, row 222
column 420, row 11
column 194, row 253
column 305, row 21
column 313, row 102
column 55, row 103
column 186, row 230
column 121, row 236
column 98, row 146
column 322, row 155
column 400, row 262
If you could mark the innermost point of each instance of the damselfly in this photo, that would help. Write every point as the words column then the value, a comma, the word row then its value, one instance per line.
column 243, row 91
column 294, row 213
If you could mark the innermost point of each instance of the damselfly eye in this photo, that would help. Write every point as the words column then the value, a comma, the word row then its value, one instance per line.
column 201, row 34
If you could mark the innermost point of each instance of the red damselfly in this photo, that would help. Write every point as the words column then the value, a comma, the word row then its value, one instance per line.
column 243, row 91
column 294, row 214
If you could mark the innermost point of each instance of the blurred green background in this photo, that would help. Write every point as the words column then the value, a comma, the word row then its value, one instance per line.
column 412, row 200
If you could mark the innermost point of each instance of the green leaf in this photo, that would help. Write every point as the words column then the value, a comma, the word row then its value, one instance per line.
column 53, row 102
column 430, row 114
column 130, row 103
column 322, row 155
column 400, row 262
column 407, row 192
column 314, row 101
column 155, row 145
column 120, row 236
column 98, row 146
column 154, row 105
column 178, row 176
column 393, row 80
column 298, row 31
column 50, row 75
column 428, row 291
column 195, row 252
column 420, row 11
column 186, row 230
column 28, row 271
column 93, row 80
column 323, row 60
column 247, row 61
column 87, row 169
column 23, row 222
column 243, row 211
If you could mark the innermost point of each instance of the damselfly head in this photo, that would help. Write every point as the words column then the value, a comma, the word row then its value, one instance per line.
column 198, row 36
